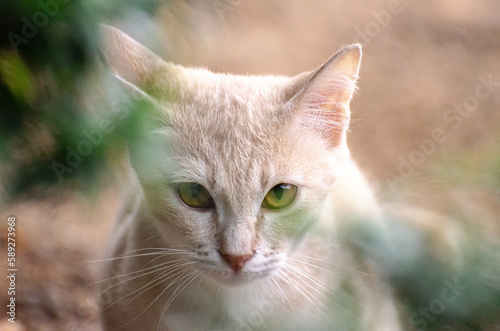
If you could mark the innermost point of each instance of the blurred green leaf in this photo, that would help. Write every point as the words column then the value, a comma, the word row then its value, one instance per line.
column 15, row 76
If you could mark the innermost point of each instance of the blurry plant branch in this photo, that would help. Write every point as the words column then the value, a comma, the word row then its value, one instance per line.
column 51, row 87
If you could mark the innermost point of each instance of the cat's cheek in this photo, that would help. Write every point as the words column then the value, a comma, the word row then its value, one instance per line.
column 178, row 224
column 290, row 226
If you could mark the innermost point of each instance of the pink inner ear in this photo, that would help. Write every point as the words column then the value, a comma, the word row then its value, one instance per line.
column 326, row 105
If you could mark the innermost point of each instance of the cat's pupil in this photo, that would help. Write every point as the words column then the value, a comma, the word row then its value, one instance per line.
column 195, row 191
column 278, row 192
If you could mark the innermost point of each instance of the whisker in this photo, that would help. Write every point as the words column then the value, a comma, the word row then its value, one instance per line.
column 313, row 279
column 163, row 276
column 300, row 277
column 302, row 290
column 135, row 272
column 365, row 285
column 321, row 284
column 166, row 271
column 156, row 251
column 188, row 280
column 200, row 280
column 182, row 273
column 330, row 263
column 218, row 290
column 273, row 280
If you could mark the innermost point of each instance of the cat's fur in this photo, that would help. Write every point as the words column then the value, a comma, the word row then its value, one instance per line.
column 239, row 136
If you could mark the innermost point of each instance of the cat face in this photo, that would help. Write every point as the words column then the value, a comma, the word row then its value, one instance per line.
column 244, row 164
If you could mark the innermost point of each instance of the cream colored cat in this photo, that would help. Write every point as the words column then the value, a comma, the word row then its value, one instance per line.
column 234, row 224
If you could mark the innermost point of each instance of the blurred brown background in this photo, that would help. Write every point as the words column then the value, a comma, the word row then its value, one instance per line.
column 421, row 59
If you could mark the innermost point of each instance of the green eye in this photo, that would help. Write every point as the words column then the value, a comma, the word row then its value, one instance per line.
column 195, row 195
column 280, row 196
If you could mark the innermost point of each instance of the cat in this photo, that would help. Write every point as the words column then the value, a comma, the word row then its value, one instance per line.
column 234, row 223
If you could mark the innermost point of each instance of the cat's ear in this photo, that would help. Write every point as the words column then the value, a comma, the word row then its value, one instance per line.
column 136, row 64
column 323, row 100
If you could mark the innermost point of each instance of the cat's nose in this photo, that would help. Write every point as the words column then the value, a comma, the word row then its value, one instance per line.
column 236, row 262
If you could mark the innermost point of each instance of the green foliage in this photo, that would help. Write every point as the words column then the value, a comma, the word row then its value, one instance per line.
column 457, row 289
column 48, row 56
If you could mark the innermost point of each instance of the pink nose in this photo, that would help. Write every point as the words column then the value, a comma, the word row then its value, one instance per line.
column 236, row 262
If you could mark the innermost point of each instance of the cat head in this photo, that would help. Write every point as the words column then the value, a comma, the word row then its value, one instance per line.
column 244, row 163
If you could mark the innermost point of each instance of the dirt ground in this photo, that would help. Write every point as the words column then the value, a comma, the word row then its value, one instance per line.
column 422, row 60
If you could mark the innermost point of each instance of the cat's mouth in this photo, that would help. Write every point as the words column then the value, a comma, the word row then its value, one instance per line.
column 230, row 278
column 231, row 274
column 241, row 278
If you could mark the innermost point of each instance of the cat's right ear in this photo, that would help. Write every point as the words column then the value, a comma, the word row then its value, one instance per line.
column 135, row 64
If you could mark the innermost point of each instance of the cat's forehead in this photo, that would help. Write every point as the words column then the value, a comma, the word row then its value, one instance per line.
column 235, row 111
column 225, row 94
column 232, row 129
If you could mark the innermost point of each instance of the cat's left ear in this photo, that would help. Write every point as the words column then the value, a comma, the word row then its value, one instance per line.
column 324, row 98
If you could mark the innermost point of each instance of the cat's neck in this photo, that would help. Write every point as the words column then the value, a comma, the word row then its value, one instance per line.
column 351, row 198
